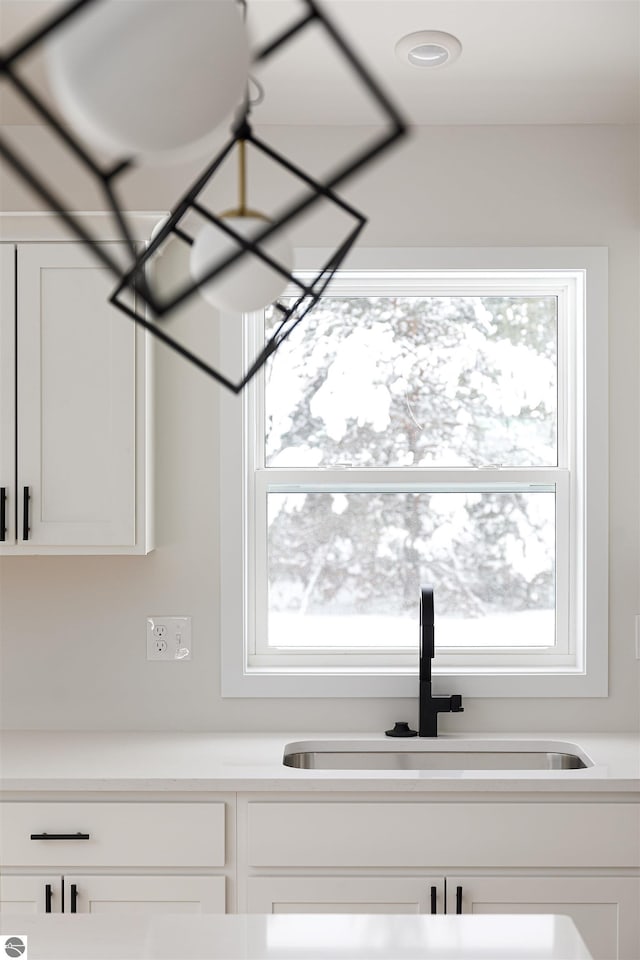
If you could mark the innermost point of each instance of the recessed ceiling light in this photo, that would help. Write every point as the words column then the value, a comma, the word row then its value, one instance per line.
column 428, row 48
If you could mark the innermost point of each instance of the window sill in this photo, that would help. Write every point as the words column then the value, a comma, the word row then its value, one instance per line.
column 292, row 684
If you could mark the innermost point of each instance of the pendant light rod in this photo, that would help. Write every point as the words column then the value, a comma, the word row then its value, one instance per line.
column 243, row 136
column 242, row 178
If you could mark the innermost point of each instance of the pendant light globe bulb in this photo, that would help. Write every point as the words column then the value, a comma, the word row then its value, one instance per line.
column 249, row 283
column 149, row 77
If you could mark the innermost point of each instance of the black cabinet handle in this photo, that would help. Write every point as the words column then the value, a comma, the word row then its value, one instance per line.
column 3, row 513
column 60, row 836
column 74, row 898
column 25, row 513
column 47, row 898
column 434, row 900
column 458, row 899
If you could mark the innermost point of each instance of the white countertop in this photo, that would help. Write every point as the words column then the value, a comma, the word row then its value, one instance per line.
column 44, row 762
column 297, row 937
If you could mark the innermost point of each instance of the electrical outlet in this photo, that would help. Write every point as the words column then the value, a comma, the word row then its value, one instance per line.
column 168, row 638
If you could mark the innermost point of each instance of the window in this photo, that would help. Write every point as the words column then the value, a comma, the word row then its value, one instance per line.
column 443, row 424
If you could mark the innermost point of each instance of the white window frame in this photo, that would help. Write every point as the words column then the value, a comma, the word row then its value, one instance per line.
column 579, row 669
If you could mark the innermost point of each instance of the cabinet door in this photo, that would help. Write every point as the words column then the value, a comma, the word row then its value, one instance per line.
column 7, row 391
column 147, row 895
column 604, row 909
column 76, row 403
column 30, row 894
column 345, row 895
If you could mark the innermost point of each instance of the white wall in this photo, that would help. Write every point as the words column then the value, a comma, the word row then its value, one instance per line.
column 72, row 630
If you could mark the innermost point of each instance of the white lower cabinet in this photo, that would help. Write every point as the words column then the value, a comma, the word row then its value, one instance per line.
column 604, row 909
column 269, row 853
column 118, row 857
column 112, row 894
column 375, row 854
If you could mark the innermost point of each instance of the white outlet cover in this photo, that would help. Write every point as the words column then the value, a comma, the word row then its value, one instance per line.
column 168, row 638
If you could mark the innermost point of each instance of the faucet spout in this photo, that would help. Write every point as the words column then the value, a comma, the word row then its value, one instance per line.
column 430, row 706
column 427, row 645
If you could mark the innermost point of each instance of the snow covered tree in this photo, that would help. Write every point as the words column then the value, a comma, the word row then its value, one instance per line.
column 414, row 382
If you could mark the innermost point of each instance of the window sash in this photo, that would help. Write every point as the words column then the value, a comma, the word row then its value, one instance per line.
column 565, row 287
column 403, row 480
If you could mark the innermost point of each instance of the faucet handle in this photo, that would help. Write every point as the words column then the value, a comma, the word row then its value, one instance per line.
column 456, row 703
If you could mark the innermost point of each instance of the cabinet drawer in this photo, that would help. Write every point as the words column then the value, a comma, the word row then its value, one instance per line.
column 443, row 834
column 119, row 834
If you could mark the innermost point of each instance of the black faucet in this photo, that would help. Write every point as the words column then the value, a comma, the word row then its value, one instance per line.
column 430, row 706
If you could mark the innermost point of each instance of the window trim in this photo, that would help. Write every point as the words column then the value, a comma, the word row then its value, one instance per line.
column 587, row 677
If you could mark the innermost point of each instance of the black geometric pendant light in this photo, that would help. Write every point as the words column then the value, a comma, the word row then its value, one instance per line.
column 252, row 256
column 235, row 246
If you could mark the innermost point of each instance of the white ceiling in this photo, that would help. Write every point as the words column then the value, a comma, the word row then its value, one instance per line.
column 523, row 61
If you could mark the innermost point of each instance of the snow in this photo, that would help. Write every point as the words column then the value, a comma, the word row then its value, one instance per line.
column 522, row 629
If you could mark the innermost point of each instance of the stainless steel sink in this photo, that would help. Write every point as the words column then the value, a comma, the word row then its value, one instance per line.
column 463, row 756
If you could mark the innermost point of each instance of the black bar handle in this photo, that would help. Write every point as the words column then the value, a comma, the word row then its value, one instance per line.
column 47, row 898
column 25, row 513
column 3, row 513
column 74, row 898
column 434, row 900
column 60, row 836
column 458, row 899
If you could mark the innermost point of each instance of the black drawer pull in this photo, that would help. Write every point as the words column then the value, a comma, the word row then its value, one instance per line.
column 434, row 900
column 458, row 899
column 25, row 513
column 60, row 836
column 47, row 898
column 74, row 898
column 3, row 513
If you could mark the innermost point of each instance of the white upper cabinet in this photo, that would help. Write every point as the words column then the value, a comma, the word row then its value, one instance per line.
column 75, row 436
